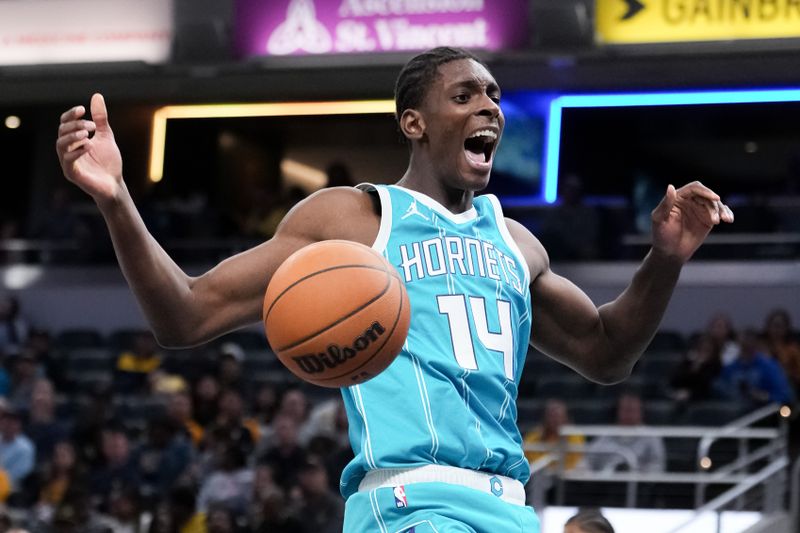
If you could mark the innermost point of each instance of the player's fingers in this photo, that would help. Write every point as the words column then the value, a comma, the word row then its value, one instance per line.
column 661, row 212
column 100, row 113
column 73, row 113
column 73, row 125
column 64, row 142
column 706, row 211
column 725, row 213
column 77, row 144
column 698, row 189
column 69, row 158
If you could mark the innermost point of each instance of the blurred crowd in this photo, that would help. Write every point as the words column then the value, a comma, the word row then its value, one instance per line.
column 737, row 371
column 162, row 443
column 102, row 434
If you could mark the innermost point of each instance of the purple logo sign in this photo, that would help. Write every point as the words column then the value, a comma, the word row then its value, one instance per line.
column 286, row 27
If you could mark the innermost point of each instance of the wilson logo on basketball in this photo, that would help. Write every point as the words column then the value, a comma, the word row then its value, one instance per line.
column 335, row 355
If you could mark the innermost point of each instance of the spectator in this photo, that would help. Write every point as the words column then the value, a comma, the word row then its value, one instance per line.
column 264, row 409
column 754, row 379
column 125, row 512
column 338, row 175
column 17, row 454
column 549, row 433
column 179, row 410
column 179, row 514
column 782, row 345
column 43, row 428
column 323, row 421
column 722, row 334
column 295, row 405
column 163, row 458
column 76, row 515
column 5, row 378
column 318, row 508
column 570, row 228
column 118, row 469
column 694, row 377
column 135, row 365
column 13, row 327
column 59, row 477
column 270, row 510
column 230, row 484
column 206, row 400
column 220, row 520
column 92, row 420
column 41, row 345
column 25, row 372
column 609, row 453
column 244, row 432
column 231, row 358
column 588, row 521
column 286, row 455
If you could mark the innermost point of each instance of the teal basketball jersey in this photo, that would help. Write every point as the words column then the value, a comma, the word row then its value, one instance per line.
column 449, row 397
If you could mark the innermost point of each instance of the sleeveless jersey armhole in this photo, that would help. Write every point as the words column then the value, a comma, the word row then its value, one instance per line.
column 382, row 239
column 503, row 229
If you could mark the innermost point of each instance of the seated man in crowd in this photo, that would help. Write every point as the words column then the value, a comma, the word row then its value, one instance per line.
column 754, row 379
column 609, row 453
column 548, row 433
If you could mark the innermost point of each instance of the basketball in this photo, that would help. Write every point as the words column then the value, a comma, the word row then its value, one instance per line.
column 336, row 313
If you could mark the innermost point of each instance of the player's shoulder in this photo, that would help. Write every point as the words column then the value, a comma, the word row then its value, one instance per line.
column 531, row 248
column 339, row 201
column 337, row 213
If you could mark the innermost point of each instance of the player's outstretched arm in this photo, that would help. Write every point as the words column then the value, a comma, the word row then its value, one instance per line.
column 183, row 310
column 604, row 343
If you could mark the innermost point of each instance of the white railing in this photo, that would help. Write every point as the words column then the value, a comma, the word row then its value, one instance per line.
column 736, row 473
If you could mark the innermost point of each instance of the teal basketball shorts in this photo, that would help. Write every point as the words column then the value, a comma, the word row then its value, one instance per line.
column 435, row 507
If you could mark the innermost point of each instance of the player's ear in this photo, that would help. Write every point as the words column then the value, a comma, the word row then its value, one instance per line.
column 412, row 124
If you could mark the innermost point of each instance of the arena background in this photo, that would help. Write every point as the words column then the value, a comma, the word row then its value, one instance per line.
column 707, row 91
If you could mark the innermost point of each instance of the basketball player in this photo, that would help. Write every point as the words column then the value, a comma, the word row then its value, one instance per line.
column 436, row 445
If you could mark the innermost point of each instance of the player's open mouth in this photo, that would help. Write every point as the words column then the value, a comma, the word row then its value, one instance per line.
column 479, row 147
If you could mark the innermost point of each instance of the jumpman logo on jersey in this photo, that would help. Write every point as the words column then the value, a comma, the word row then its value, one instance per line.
column 413, row 210
column 300, row 31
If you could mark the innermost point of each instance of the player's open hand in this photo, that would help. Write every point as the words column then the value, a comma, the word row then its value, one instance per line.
column 92, row 162
column 684, row 218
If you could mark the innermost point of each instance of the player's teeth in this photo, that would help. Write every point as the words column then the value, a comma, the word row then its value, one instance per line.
column 484, row 133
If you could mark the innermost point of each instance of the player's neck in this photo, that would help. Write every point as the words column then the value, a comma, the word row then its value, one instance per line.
column 422, row 179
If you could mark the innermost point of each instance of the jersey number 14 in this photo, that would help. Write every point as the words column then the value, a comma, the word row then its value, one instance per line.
column 454, row 306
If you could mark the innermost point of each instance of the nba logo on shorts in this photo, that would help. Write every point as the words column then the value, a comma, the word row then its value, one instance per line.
column 400, row 500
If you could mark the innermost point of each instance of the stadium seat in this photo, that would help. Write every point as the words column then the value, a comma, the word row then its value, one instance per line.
column 122, row 339
column 247, row 339
column 713, row 413
column 660, row 413
column 529, row 412
column 79, row 338
column 591, row 412
column 667, row 341
column 565, row 388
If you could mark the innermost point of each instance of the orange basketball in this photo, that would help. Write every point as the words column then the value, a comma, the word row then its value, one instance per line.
column 336, row 313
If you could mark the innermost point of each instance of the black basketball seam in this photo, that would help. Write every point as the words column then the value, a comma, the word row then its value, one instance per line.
column 284, row 291
column 389, row 336
column 342, row 318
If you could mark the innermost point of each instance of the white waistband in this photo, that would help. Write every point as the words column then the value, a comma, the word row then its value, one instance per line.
column 505, row 488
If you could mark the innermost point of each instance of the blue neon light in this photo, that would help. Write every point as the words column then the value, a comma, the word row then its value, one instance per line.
column 553, row 147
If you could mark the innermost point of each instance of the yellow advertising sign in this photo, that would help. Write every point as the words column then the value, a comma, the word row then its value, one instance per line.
column 658, row 21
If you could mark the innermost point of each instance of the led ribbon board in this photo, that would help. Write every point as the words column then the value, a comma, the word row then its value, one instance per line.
column 557, row 106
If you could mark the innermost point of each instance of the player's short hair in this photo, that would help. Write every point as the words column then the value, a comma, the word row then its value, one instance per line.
column 591, row 521
column 419, row 73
